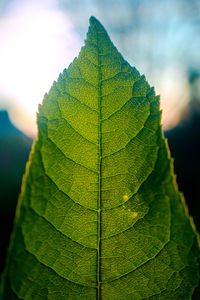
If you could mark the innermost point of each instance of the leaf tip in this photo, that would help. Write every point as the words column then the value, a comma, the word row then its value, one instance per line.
column 94, row 22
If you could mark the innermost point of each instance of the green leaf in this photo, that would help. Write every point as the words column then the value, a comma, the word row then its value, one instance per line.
column 99, row 215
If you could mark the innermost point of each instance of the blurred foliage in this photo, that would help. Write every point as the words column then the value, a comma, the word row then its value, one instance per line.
column 14, row 151
column 184, row 144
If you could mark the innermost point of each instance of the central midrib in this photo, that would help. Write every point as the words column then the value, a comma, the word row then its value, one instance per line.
column 99, row 179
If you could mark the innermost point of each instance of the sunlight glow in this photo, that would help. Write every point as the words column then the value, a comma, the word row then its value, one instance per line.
column 37, row 42
column 174, row 91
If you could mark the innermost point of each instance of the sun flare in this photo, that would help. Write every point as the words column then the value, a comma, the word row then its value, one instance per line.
column 38, row 41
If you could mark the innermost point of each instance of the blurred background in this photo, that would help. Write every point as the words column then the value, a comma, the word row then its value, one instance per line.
column 38, row 39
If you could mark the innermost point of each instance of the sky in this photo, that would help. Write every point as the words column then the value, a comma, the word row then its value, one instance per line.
column 38, row 39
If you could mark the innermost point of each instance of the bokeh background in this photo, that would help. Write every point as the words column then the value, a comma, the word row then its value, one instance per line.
column 38, row 39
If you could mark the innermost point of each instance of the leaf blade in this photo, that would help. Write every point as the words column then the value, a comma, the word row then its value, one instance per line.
column 100, row 215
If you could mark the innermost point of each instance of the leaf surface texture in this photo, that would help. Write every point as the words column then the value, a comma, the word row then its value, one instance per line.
column 99, row 215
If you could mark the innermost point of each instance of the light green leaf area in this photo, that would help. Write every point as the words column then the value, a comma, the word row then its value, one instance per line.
column 99, row 215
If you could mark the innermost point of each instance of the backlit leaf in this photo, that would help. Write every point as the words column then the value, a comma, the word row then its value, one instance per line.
column 99, row 215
